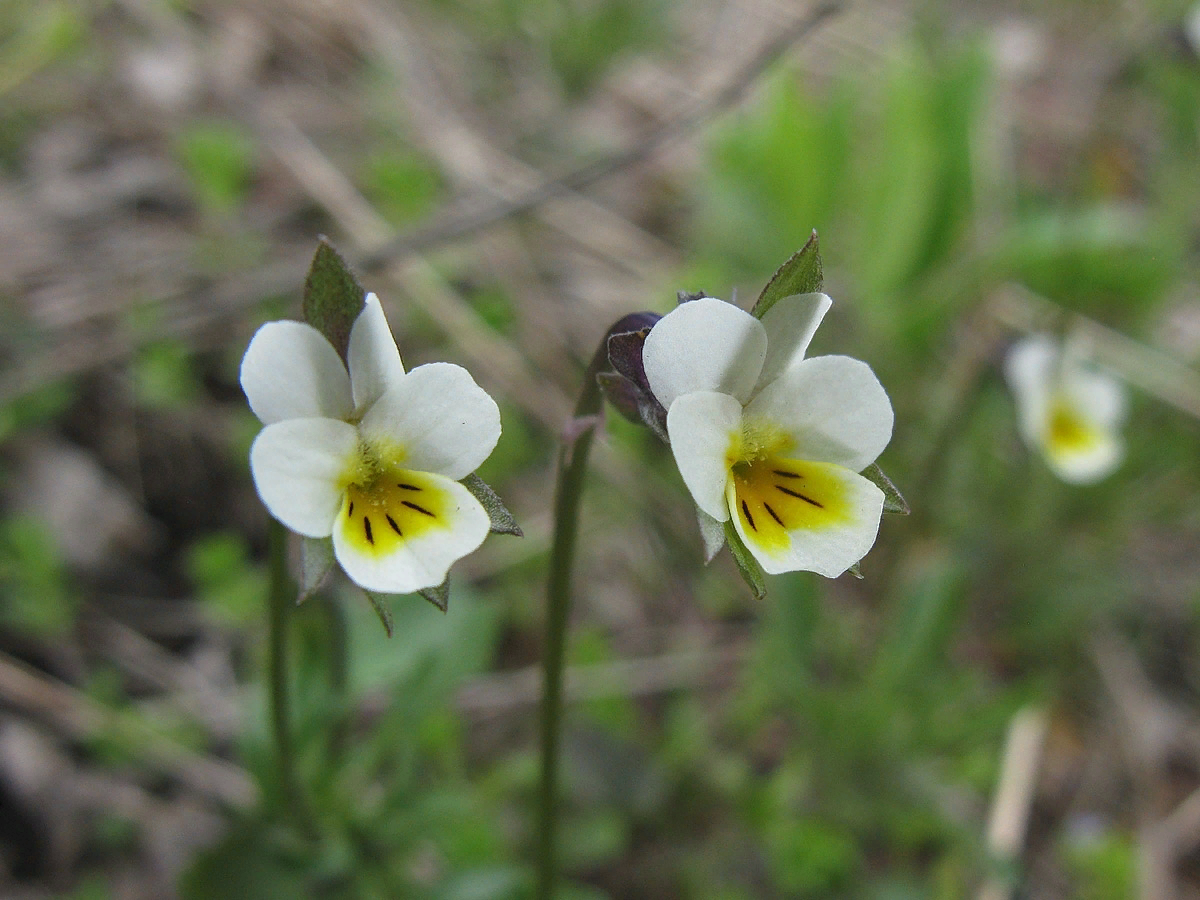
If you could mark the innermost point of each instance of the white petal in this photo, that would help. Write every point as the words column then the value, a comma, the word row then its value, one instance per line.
column 374, row 359
column 298, row 465
column 704, row 345
column 827, row 538
column 701, row 426
column 1029, row 369
column 401, row 565
column 443, row 421
column 712, row 532
column 833, row 407
column 1098, row 396
column 790, row 326
column 291, row 372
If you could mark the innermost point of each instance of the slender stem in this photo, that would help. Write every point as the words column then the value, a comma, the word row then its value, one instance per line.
column 281, row 597
column 339, row 667
column 572, row 467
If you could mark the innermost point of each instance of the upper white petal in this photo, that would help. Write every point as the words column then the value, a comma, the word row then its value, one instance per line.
column 1099, row 397
column 829, row 550
column 297, row 466
column 421, row 561
column 833, row 407
column 700, row 426
column 373, row 356
column 704, row 345
column 1029, row 369
column 790, row 325
column 442, row 419
column 291, row 372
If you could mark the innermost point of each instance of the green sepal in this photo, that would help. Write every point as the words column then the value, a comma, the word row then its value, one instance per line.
column 502, row 521
column 893, row 500
column 379, row 602
column 333, row 298
column 856, row 570
column 801, row 274
column 316, row 561
column 439, row 596
column 752, row 572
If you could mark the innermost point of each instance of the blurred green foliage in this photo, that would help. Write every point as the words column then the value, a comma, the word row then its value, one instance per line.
column 35, row 592
column 163, row 375
column 34, row 35
column 225, row 579
column 1104, row 864
column 403, row 186
column 218, row 157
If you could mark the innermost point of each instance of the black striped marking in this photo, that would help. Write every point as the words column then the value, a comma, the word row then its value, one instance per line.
column 800, row 496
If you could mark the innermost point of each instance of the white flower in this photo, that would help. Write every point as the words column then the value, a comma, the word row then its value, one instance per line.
column 768, row 438
column 372, row 456
column 1067, row 412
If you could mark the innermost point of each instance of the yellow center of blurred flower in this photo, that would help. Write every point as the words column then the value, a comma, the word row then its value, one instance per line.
column 1069, row 432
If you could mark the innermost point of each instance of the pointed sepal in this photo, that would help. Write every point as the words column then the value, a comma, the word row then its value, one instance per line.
column 855, row 571
column 623, row 394
column 439, row 596
column 801, row 274
column 316, row 562
column 502, row 521
column 379, row 603
column 748, row 566
column 634, row 403
column 893, row 500
column 333, row 298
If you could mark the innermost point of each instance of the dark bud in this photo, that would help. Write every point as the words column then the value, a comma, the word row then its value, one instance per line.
column 625, row 385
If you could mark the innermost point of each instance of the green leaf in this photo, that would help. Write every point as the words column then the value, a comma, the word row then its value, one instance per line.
column 893, row 500
column 752, row 572
column 439, row 596
column 502, row 521
column 379, row 602
column 801, row 274
column 333, row 298
column 247, row 862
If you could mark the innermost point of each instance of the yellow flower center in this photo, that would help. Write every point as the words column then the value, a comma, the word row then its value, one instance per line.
column 385, row 504
column 1068, row 432
column 755, row 441
column 774, row 494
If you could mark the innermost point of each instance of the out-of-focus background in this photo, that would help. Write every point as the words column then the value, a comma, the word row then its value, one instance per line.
column 1008, row 704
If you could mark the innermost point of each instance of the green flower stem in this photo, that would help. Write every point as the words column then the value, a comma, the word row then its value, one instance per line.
column 339, row 670
column 281, row 598
column 572, row 467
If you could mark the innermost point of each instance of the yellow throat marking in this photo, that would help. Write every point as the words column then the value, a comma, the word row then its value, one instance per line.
column 385, row 505
column 775, row 495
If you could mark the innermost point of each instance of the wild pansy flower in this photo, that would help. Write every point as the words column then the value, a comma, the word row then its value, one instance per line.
column 371, row 457
column 1066, row 411
column 768, row 438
